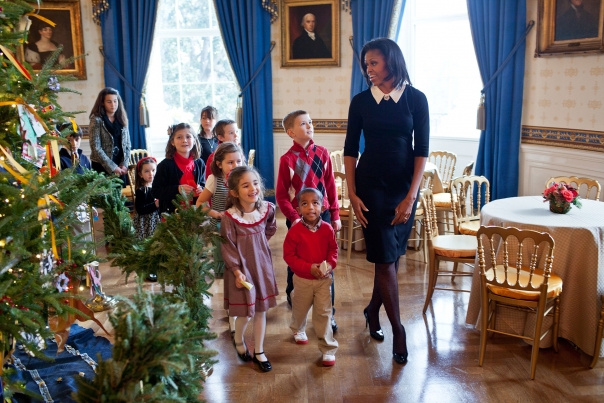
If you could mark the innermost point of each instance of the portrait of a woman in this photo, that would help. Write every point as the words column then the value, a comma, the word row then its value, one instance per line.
column 41, row 45
column 384, row 186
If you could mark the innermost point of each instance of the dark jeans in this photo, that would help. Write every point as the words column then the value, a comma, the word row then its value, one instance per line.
column 325, row 216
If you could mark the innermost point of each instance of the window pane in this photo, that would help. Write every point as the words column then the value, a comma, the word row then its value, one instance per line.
column 213, row 16
column 439, row 8
column 172, row 96
column 193, row 14
column 166, row 14
column 169, row 52
column 225, row 99
column 222, row 66
column 195, row 59
column 452, row 88
column 195, row 97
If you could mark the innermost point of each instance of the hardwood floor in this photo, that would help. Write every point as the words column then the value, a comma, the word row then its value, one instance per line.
column 443, row 350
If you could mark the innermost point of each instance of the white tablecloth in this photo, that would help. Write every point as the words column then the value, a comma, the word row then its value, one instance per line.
column 578, row 259
column 437, row 185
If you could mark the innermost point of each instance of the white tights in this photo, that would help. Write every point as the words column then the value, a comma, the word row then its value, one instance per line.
column 259, row 332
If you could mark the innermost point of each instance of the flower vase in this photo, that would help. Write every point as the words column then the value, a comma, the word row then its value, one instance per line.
column 559, row 207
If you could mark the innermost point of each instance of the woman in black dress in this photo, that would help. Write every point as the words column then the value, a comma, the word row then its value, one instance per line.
column 384, row 186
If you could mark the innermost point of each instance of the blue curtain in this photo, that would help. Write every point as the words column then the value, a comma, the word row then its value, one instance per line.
column 246, row 30
column 127, row 31
column 496, row 27
column 370, row 19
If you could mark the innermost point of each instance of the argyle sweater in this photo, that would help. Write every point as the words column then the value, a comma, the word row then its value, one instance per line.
column 310, row 167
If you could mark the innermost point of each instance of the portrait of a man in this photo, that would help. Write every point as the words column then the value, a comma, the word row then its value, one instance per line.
column 577, row 19
column 309, row 45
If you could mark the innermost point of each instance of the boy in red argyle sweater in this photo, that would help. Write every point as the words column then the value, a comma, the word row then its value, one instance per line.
column 304, row 165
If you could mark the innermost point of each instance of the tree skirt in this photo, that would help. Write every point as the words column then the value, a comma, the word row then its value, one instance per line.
column 42, row 377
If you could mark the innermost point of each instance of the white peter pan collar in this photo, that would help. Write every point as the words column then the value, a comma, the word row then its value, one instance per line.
column 395, row 94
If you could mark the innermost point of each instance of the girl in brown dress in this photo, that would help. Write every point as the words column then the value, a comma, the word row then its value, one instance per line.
column 248, row 223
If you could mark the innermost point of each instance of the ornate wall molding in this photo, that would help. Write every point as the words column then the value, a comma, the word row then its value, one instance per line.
column 320, row 125
column 568, row 138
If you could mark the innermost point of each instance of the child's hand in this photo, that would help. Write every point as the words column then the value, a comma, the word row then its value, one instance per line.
column 185, row 188
column 337, row 225
column 157, row 203
column 198, row 190
column 315, row 270
column 215, row 214
column 239, row 279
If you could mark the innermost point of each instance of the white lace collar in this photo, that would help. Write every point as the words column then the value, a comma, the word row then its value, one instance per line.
column 249, row 219
column 395, row 94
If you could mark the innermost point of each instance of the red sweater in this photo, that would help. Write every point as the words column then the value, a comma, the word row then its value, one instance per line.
column 310, row 167
column 302, row 248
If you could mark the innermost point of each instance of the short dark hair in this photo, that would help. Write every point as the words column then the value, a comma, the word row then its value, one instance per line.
column 309, row 190
column 393, row 56
column 220, row 125
column 290, row 118
column 68, row 128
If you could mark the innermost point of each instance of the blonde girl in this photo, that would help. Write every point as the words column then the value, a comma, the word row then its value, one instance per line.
column 225, row 130
column 207, row 140
column 248, row 224
column 182, row 169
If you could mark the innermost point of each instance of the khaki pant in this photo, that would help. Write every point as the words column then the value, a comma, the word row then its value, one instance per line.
column 315, row 293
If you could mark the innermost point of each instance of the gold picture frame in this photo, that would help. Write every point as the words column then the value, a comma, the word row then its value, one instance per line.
column 568, row 27
column 298, row 48
column 67, row 32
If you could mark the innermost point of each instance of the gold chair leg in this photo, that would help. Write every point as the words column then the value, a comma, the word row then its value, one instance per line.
column 598, row 345
column 455, row 264
column 483, row 329
column 432, row 266
column 556, row 323
column 536, row 340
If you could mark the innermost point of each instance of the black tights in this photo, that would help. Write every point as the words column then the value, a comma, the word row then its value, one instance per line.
column 385, row 292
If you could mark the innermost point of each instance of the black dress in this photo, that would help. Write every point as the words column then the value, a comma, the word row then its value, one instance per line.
column 395, row 133
column 208, row 146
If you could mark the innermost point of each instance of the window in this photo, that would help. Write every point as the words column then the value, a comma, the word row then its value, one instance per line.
column 189, row 68
column 437, row 44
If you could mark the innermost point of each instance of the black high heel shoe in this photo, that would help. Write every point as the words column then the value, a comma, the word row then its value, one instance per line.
column 246, row 357
column 400, row 358
column 265, row 366
column 378, row 334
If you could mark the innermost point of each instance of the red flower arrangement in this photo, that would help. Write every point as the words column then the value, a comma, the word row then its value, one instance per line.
column 560, row 193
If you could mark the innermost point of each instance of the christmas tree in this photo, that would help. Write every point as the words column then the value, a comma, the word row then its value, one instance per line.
column 40, row 263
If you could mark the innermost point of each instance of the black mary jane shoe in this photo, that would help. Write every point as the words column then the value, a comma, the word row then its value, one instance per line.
column 400, row 358
column 265, row 366
column 378, row 334
column 246, row 357
column 151, row 277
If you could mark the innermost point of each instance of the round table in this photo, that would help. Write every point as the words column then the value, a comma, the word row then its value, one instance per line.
column 578, row 259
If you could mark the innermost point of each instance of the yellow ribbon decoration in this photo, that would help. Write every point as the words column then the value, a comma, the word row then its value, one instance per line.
column 46, row 20
column 74, row 125
column 15, row 62
column 14, row 173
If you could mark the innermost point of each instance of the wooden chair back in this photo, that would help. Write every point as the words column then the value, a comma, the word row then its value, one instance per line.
column 251, row 156
column 347, row 215
column 588, row 188
column 137, row 155
column 469, row 194
column 427, row 200
column 337, row 160
column 445, row 161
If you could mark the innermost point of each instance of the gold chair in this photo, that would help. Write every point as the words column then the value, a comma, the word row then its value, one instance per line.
column 418, row 232
column 137, row 155
column 584, row 186
column 469, row 193
column 129, row 192
column 519, row 284
column 445, row 162
column 467, row 171
column 598, row 345
column 346, row 215
column 447, row 248
column 251, row 156
column 337, row 160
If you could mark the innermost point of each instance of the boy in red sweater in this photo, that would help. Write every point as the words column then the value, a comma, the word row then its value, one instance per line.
column 311, row 251
column 305, row 164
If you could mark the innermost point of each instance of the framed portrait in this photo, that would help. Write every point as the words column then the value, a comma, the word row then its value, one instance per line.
column 570, row 27
column 310, row 33
column 43, row 39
